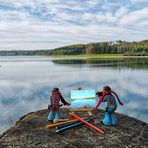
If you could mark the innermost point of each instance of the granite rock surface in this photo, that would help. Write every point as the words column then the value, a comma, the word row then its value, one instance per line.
column 30, row 132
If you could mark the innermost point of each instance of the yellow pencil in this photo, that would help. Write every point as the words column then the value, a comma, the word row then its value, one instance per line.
column 56, row 124
column 60, row 120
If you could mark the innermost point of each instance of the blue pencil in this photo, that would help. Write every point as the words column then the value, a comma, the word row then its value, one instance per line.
column 68, row 124
column 71, row 126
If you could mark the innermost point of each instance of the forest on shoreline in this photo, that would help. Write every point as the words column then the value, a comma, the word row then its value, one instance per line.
column 125, row 48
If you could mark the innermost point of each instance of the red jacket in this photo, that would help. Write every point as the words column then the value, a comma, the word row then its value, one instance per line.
column 55, row 99
column 107, row 93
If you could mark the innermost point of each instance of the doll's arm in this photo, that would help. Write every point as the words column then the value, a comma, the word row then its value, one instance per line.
column 63, row 100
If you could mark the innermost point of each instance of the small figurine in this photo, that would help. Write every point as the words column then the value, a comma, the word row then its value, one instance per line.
column 54, row 105
column 107, row 96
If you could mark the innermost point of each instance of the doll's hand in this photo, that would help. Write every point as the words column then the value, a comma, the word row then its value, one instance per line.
column 67, row 104
column 99, row 94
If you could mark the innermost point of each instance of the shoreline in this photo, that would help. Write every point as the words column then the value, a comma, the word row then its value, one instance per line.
column 96, row 57
column 79, row 56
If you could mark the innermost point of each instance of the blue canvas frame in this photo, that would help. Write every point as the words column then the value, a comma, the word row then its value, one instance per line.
column 81, row 98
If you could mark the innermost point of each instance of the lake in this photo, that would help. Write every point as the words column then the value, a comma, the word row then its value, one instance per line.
column 26, row 83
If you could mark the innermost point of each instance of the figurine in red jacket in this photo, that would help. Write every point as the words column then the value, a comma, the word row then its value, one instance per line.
column 107, row 95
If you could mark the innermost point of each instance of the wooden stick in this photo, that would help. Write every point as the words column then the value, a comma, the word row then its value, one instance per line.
column 88, row 124
column 61, row 123
column 80, row 109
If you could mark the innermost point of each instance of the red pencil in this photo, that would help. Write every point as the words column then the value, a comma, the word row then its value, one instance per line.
column 88, row 124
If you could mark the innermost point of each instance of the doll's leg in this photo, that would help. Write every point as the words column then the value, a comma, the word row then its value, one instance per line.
column 56, row 116
column 114, row 119
column 107, row 118
column 51, row 116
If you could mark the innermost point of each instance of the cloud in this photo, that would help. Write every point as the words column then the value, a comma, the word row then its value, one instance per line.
column 133, row 18
column 137, row 1
column 48, row 24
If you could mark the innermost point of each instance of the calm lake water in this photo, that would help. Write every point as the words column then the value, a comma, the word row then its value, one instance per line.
column 26, row 83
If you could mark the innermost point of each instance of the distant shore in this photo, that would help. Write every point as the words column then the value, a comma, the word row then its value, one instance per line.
column 96, row 56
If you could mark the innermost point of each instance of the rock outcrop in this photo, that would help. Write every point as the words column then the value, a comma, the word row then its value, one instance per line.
column 30, row 132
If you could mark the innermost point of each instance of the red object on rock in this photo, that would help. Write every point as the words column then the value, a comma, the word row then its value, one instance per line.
column 88, row 124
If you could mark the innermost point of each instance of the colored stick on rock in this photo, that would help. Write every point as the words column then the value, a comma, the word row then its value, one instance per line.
column 61, row 123
column 88, row 124
column 64, row 125
column 80, row 109
column 60, row 120
column 71, row 126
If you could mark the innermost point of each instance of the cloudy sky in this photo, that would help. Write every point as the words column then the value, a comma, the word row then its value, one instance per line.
column 47, row 24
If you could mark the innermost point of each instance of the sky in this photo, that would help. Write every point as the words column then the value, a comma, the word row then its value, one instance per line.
column 48, row 24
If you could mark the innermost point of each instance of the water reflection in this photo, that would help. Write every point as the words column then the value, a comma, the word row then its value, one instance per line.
column 26, row 86
column 134, row 63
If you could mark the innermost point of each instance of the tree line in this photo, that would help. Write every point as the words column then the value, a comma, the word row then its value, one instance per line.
column 139, row 48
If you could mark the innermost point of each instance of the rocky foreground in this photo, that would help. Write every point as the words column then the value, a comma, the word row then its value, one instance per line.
column 30, row 132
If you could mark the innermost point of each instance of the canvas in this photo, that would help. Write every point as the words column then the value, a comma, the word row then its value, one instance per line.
column 82, row 98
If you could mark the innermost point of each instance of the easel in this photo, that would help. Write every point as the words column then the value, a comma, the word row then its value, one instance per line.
column 88, row 110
